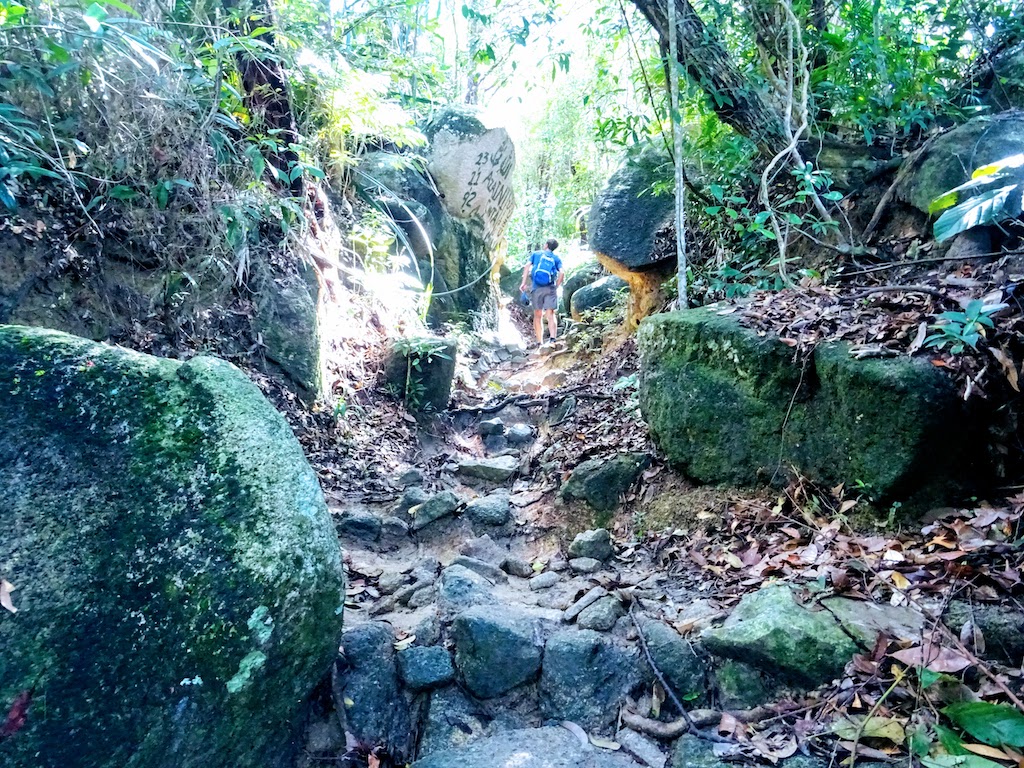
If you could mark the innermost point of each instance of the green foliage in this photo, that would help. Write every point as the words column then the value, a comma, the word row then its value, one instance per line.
column 995, row 194
column 994, row 724
column 960, row 330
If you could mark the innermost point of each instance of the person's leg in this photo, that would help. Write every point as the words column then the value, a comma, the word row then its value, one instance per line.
column 552, row 325
column 538, row 326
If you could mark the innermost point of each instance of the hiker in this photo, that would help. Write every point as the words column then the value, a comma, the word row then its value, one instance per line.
column 543, row 274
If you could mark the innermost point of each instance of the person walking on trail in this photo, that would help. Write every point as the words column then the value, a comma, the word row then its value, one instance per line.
column 543, row 274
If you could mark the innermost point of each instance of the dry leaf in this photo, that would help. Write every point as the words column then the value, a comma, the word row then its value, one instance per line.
column 933, row 657
column 5, row 595
column 987, row 751
column 918, row 342
column 576, row 731
column 601, row 743
column 1008, row 367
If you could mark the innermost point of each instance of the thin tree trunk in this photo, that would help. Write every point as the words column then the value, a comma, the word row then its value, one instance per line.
column 265, row 93
column 735, row 99
column 677, row 150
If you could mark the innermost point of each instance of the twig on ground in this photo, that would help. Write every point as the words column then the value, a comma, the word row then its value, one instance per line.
column 926, row 289
column 702, row 718
column 691, row 725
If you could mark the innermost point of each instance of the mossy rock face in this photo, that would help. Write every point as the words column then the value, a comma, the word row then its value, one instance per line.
column 729, row 406
column 626, row 217
column 179, row 582
column 585, row 274
column 949, row 160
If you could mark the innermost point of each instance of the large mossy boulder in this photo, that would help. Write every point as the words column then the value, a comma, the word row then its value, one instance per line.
column 949, row 160
column 585, row 274
column 178, row 580
column 623, row 226
column 728, row 405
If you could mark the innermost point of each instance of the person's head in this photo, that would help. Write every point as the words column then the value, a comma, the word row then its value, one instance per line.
column 551, row 244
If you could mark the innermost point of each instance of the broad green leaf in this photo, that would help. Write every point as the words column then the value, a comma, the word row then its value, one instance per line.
column 122, row 192
column 1013, row 161
column 988, row 207
column 122, row 7
column 953, row 196
column 94, row 16
column 950, row 742
column 992, row 724
column 7, row 198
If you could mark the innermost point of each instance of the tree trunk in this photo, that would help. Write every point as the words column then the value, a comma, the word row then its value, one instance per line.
column 735, row 99
column 265, row 93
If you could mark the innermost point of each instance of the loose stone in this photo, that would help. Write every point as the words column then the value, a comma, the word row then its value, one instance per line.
column 544, row 580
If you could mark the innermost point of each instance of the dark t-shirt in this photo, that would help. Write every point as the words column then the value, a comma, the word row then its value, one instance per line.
column 535, row 257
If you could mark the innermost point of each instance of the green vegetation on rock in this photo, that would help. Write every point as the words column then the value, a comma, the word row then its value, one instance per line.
column 179, row 583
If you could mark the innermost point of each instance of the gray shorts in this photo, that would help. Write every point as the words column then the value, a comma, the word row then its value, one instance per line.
column 544, row 297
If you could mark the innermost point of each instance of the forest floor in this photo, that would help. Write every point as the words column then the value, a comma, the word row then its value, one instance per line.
column 684, row 556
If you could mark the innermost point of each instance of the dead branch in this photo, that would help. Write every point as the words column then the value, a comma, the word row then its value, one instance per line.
column 703, row 718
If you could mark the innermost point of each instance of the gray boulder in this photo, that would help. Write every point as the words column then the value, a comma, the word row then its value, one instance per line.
column 585, row 676
column 584, row 274
column 1001, row 624
column 600, row 294
column 551, row 747
column 360, row 525
column 179, row 581
column 496, row 470
column 601, row 615
column 602, row 482
column 520, row 434
column 459, row 588
column 433, row 509
column 740, row 686
column 376, row 712
column 496, row 649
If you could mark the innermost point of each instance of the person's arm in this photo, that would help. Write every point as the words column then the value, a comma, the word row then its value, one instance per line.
column 526, row 276
column 561, row 274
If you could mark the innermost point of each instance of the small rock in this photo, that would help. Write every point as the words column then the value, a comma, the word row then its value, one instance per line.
column 422, row 597
column 601, row 615
column 584, row 678
column 492, row 509
column 770, row 630
column 491, row 427
column 483, row 548
column 588, row 599
column 516, row 567
column 411, row 476
column 495, row 649
column 425, row 570
column 562, row 411
column 520, row 434
column 488, row 571
column 390, row 581
column 495, row 444
column 601, row 482
column 462, row 588
column 411, row 498
column 554, row 379
column 740, row 686
column 375, row 711
column 434, row 508
column 596, row 544
column 428, row 630
column 557, row 563
column 544, row 580
column 683, row 669
column 1002, row 625
column 641, row 748
column 394, row 528
column 424, row 668
column 585, row 565
column 359, row 525
column 496, row 470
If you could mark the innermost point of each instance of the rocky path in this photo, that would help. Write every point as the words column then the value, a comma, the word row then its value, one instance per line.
column 500, row 614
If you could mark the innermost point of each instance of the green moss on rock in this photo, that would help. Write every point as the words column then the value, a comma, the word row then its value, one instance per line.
column 179, row 583
column 728, row 405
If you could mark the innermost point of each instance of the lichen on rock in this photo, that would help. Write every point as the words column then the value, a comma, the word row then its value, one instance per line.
column 179, row 580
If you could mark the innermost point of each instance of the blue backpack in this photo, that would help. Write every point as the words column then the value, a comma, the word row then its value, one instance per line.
column 545, row 268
